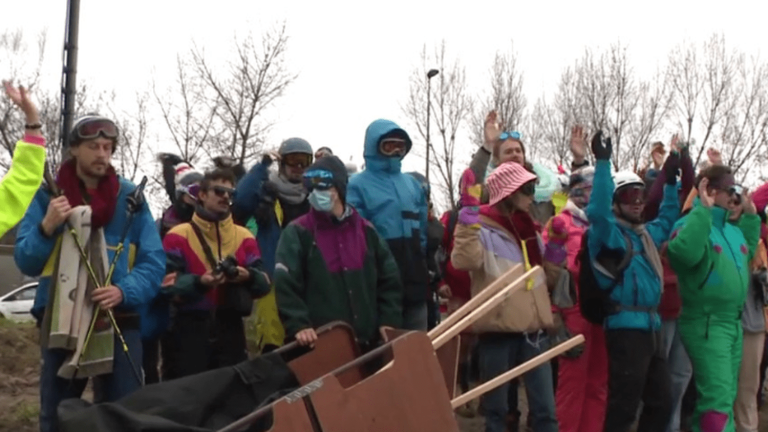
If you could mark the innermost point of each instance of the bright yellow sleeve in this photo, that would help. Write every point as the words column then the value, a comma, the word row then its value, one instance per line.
column 21, row 182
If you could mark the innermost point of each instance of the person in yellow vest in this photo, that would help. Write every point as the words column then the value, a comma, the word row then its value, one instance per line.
column 23, row 179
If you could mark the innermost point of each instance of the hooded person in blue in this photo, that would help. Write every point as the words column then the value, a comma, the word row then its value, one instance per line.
column 637, row 367
column 397, row 206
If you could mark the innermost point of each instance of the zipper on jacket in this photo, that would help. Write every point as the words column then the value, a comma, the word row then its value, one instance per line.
column 709, row 273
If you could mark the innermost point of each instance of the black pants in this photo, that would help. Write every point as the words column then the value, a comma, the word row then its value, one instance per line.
column 637, row 371
column 151, row 353
column 199, row 341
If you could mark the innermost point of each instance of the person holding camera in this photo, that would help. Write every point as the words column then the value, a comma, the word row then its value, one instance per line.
column 216, row 274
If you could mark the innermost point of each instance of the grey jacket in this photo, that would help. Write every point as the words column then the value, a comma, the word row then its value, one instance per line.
column 753, row 319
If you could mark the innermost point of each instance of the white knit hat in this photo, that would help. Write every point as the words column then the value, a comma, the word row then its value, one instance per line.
column 186, row 175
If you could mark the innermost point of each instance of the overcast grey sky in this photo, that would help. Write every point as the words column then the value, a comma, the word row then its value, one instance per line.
column 354, row 57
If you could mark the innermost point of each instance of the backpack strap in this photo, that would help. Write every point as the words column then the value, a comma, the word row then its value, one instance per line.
column 204, row 244
column 620, row 278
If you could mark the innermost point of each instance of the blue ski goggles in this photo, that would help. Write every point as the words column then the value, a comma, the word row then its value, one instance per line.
column 515, row 135
column 318, row 179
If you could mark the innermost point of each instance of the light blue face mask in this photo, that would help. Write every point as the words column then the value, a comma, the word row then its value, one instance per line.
column 321, row 200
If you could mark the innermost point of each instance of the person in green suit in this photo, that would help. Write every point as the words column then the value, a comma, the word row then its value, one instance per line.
column 711, row 256
column 23, row 179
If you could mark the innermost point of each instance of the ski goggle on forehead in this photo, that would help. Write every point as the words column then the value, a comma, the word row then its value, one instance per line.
column 392, row 147
column 510, row 135
column 95, row 127
column 631, row 195
column 318, row 179
column 300, row 160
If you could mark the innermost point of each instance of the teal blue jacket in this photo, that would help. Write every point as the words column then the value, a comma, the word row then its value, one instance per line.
column 641, row 286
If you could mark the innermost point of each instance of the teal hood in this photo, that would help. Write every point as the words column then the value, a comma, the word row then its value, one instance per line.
column 378, row 130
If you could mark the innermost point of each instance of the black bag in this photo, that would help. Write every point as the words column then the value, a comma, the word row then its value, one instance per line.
column 595, row 303
column 234, row 298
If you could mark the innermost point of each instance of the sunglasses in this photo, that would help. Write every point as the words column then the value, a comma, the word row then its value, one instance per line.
column 318, row 179
column 528, row 189
column 631, row 195
column 222, row 191
column 92, row 129
column 513, row 135
column 300, row 160
column 392, row 147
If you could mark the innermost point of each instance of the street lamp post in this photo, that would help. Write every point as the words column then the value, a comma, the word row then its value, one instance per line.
column 430, row 74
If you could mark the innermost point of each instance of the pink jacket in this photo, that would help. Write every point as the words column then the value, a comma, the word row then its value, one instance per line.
column 575, row 222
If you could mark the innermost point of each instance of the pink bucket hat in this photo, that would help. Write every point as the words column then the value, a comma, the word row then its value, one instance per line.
column 506, row 180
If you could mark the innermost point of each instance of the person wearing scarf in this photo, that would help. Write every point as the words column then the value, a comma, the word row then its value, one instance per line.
column 332, row 265
column 711, row 258
column 637, row 368
column 89, row 179
column 489, row 240
column 582, row 385
column 216, row 274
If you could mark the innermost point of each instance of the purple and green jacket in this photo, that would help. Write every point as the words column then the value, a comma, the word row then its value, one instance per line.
column 329, row 269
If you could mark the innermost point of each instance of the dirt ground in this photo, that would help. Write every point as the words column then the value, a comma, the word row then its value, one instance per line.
column 19, row 382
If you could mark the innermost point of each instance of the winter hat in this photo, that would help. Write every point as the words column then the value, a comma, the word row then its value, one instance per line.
column 506, row 180
column 186, row 176
column 333, row 168
column 582, row 177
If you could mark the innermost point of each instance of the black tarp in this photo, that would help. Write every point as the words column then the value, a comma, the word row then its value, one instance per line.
column 201, row 403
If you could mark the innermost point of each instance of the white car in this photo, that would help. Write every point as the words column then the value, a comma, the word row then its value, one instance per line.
column 16, row 305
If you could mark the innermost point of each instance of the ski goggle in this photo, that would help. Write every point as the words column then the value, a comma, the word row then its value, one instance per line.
column 192, row 190
column 318, row 179
column 736, row 192
column 510, row 135
column 300, row 160
column 392, row 147
column 93, row 128
column 631, row 195
column 528, row 189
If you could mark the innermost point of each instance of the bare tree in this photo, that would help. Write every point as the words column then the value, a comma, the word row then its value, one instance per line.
column 611, row 98
column 450, row 106
column 505, row 96
column 701, row 78
column 240, row 95
column 186, row 113
column 130, row 158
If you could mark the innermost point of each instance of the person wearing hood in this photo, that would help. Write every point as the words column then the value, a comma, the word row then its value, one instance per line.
column 489, row 240
column 582, row 384
column 332, row 265
column 711, row 257
column 215, row 273
column 396, row 205
column 637, row 369
column 265, row 202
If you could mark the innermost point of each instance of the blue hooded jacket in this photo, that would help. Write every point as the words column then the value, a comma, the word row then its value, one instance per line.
column 641, row 286
column 140, row 284
column 396, row 205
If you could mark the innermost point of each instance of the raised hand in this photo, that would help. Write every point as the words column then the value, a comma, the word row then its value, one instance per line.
column 491, row 130
column 706, row 196
column 673, row 144
column 714, row 156
column 21, row 99
column 578, row 143
column 671, row 167
column 601, row 148
column 747, row 204
column 470, row 192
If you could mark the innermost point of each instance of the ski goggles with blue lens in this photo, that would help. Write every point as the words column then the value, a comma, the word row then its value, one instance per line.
column 510, row 135
column 318, row 179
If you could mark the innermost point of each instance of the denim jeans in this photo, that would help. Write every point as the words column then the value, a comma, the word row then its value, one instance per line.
column 415, row 316
column 680, row 369
column 500, row 352
column 108, row 388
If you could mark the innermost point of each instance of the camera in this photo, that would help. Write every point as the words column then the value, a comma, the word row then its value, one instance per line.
column 227, row 267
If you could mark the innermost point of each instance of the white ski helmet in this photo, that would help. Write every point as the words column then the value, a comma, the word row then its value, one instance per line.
column 626, row 178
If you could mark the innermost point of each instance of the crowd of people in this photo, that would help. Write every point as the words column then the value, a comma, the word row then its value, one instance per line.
column 663, row 272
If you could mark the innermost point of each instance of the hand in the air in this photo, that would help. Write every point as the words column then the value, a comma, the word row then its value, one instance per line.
column 601, row 148
column 671, row 167
column 706, row 196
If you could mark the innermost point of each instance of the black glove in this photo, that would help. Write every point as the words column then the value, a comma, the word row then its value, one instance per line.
column 601, row 148
column 265, row 210
column 671, row 166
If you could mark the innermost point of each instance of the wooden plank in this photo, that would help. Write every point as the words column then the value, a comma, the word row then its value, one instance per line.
column 476, row 301
column 487, row 306
column 408, row 396
column 517, row 371
column 448, row 357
